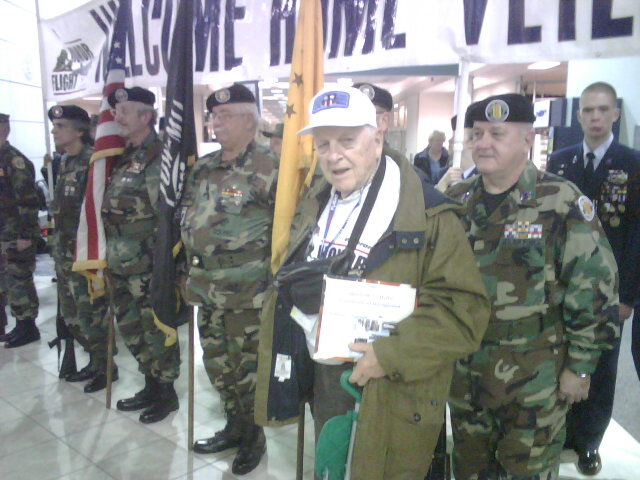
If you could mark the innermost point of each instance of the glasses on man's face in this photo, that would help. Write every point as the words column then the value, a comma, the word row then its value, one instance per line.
column 223, row 116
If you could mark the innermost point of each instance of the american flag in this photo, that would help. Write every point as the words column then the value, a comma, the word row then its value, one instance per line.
column 91, row 246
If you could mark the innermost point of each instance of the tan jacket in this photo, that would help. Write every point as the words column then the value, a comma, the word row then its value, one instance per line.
column 401, row 414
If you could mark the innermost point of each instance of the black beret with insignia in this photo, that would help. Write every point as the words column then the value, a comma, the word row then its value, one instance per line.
column 4, row 118
column 236, row 93
column 69, row 112
column 378, row 96
column 509, row 107
column 135, row 94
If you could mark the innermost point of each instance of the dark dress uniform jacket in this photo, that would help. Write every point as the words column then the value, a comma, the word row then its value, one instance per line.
column 614, row 190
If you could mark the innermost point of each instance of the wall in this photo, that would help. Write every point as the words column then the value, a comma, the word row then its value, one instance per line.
column 623, row 74
column 20, row 82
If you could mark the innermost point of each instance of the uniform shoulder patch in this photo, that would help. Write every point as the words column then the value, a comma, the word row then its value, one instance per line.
column 586, row 208
column 18, row 162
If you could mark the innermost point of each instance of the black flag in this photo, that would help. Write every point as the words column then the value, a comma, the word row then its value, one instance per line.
column 179, row 149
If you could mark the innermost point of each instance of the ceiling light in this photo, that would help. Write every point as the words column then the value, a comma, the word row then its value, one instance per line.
column 542, row 65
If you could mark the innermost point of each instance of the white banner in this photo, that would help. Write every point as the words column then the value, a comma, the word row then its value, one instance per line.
column 253, row 39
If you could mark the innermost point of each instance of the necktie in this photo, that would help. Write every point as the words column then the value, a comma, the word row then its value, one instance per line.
column 589, row 167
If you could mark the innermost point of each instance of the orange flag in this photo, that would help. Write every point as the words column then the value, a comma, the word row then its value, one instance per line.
column 298, row 161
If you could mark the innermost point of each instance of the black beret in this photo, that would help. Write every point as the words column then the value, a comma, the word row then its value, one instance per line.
column 69, row 112
column 4, row 118
column 378, row 96
column 236, row 93
column 509, row 107
column 135, row 94
column 278, row 131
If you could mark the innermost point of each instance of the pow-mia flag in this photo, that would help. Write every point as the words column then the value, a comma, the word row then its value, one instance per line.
column 179, row 149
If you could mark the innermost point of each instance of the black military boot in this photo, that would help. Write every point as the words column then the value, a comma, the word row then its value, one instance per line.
column 86, row 373
column 143, row 399
column 224, row 439
column 166, row 402
column 252, row 446
column 99, row 381
column 24, row 333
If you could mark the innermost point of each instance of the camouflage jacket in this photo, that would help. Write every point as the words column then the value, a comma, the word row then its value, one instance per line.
column 130, row 208
column 69, row 192
column 18, row 196
column 547, row 265
column 226, row 218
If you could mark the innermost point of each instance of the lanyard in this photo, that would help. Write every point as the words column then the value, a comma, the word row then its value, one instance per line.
column 332, row 210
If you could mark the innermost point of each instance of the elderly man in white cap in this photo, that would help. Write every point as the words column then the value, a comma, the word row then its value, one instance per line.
column 411, row 235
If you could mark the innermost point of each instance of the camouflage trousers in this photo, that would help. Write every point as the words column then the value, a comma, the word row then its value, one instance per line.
column 229, row 340
column 131, row 301
column 87, row 321
column 507, row 419
column 16, row 280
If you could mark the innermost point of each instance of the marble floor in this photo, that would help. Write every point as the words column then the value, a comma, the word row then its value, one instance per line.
column 50, row 429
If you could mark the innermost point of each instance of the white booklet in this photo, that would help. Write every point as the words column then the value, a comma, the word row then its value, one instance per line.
column 358, row 310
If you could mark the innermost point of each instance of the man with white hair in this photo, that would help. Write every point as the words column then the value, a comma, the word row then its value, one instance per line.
column 412, row 235
column 227, row 213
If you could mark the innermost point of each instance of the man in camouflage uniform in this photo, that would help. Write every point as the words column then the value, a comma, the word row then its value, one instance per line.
column 227, row 213
column 130, row 214
column 552, row 278
column 383, row 101
column 19, row 230
column 86, row 319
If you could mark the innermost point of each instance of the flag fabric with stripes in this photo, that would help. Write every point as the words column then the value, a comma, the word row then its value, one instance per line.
column 91, row 245
column 179, row 150
column 297, row 160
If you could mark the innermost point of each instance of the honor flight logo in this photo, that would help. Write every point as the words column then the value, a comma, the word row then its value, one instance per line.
column 71, row 69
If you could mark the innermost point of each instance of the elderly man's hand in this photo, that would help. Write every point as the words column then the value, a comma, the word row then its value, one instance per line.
column 625, row 312
column 367, row 366
column 451, row 176
column 573, row 388
column 22, row 244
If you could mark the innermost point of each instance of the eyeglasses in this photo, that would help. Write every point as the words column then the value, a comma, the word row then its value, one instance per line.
column 224, row 116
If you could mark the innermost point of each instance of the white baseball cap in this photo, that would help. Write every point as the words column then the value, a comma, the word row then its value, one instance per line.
column 340, row 107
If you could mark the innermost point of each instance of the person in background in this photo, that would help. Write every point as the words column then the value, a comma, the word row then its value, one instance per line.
column 275, row 138
column 85, row 318
column 606, row 172
column 467, row 168
column 552, row 280
column 383, row 101
column 19, row 231
column 413, row 236
column 227, row 213
column 434, row 159
column 130, row 214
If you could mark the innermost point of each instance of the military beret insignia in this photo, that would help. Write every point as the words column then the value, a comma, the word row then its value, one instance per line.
column 586, row 208
column 57, row 111
column 223, row 96
column 18, row 162
column 368, row 90
column 496, row 111
column 121, row 95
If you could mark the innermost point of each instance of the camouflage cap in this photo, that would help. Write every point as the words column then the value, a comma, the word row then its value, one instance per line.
column 378, row 96
column 236, row 93
column 69, row 112
column 4, row 117
column 278, row 131
column 135, row 94
column 510, row 107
